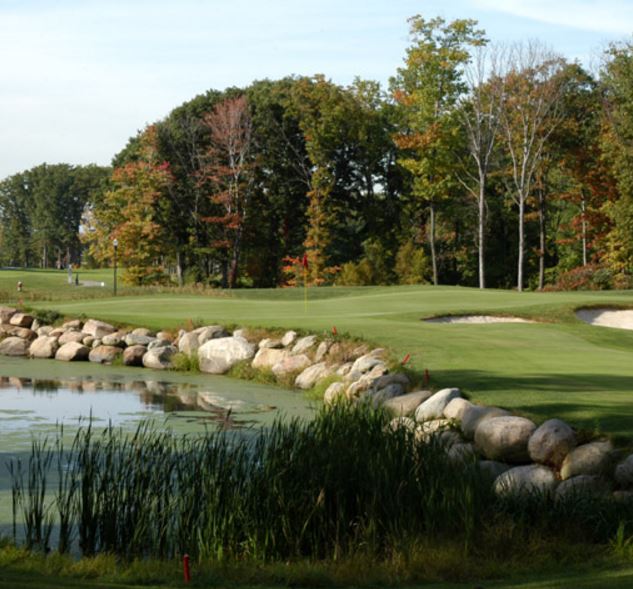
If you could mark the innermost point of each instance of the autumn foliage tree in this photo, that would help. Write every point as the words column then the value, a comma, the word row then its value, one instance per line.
column 227, row 172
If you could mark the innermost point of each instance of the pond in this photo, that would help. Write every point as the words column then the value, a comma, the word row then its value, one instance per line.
column 36, row 396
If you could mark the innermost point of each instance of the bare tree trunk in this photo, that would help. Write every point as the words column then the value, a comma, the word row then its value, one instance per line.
column 235, row 258
column 482, row 236
column 521, row 242
column 179, row 272
column 432, row 241
column 583, row 208
column 542, row 240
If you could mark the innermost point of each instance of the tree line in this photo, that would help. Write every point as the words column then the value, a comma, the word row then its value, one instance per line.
column 480, row 164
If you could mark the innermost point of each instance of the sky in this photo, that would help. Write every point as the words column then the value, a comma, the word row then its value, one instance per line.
column 79, row 77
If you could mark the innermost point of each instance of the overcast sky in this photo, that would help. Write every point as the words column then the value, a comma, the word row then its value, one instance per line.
column 79, row 77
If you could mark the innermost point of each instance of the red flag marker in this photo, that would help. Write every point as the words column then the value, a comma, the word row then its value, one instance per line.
column 406, row 359
column 427, row 377
column 304, row 261
column 334, row 332
column 185, row 568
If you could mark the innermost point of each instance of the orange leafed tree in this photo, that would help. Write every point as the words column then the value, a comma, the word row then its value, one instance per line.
column 226, row 171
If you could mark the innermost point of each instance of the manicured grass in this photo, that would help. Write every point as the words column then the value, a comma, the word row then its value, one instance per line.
column 557, row 367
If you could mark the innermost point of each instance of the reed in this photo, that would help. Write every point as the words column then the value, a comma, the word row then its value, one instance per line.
column 328, row 489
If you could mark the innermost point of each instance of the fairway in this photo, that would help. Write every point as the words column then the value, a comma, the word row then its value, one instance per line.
column 557, row 366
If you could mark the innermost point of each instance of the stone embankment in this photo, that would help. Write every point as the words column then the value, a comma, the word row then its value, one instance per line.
column 517, row 455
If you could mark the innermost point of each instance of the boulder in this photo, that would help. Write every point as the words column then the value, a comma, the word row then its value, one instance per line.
column 57, row 331
column 365, row 363
column 98, row 329
column 312, row 374
column 624, row 472
column 241, row 332
column 379, row 396
column 165, row 336
column 593, row 458
column 157, row 343
column 188, row 343
column 322, row 350
column 75, row 324
column 407, row 404
column 335, row 392
column 44, row 330
column 473, row 415
column 268, row 357
column 23, row 332
column 210, row 332
column 388, row 379
column 461, row 452
column 143, row 331
column 21, row 320
column 114, row 339
column 582, row 485
column 534, row 478
column 428, row 429
column 290, row 364
column 216, row 356
column 456, row 408
column 6, row 313
column 304, row 344
column 551, row 442
column 133, row 355
column 505, row 439
column 159, row 358
column 433, row 407
column 14, row 346
column 36, row 324
column 268, row 342
column 44, row 346
column 71, row 336
column 132, row 339
column 491, row 469
column 104, row 354
column 289, row 338
column 344, row 369
column 72, row 352
column 398, row 423
column 88, row 341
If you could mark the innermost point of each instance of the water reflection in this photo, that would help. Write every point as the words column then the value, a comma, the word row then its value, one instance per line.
column 28, row 401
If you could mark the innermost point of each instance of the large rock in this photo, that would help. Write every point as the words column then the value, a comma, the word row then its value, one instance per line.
column 133, row 355
column 505, row 438
column 159, row 358
column 304, row 344
column 143, row 331
column 379, row 396
column 551, row 442
column 23, row 332
column 188, row 343
column 21, row 320
column 114, row 339
column 491, row 469
column 6, row 313
column 311, row 375
column 137, row 339
column 72, row 352
column 104, row 354
column 44, row 330
column 71, row 336
column 456, row 408
column 322, row 350
column 75, row 324
column 534, row 478
column 14, row 346
column 289, row 338
column 335, row 392
column 268, row 342
column 473, row 415
column 582, row 485
column 407, row 404
column 365, row 363
column 268, row 357
column 216, row 356
column 210, row 332
column 43, row 347
column 624, row 472
column 98, row 329
column 593, row 458
column 433, row 407
column 291, row 364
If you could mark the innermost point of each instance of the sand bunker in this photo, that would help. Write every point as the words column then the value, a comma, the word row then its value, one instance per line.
column 619, row 318
column 476, row 319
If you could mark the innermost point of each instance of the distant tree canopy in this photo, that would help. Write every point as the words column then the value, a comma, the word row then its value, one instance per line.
column 480, row 165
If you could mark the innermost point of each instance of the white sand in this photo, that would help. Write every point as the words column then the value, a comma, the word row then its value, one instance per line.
column 477, row 319
column 619, row 318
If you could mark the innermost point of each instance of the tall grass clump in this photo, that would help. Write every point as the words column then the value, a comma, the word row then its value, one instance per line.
column 329, row 489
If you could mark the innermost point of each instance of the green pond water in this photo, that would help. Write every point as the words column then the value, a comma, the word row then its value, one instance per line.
column 36, row 396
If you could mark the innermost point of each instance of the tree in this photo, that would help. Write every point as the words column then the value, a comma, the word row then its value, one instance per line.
column 480, row 114
column 227, row 170
column 530, row 112
column 428, row 88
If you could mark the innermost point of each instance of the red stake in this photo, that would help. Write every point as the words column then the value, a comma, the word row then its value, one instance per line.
column 427, row 377
column 185, row 568
column 334, row 331
column 406, row 359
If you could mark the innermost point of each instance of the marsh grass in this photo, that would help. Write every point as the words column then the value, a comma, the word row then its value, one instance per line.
column 341, row 498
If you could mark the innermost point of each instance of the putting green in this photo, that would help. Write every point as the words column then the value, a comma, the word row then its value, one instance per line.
column 557, row 366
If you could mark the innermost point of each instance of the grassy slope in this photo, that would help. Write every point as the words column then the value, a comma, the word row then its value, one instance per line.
column 563, row 368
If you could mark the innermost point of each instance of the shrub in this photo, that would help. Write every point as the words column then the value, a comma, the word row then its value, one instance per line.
column 589, row 277
column 412, row 264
